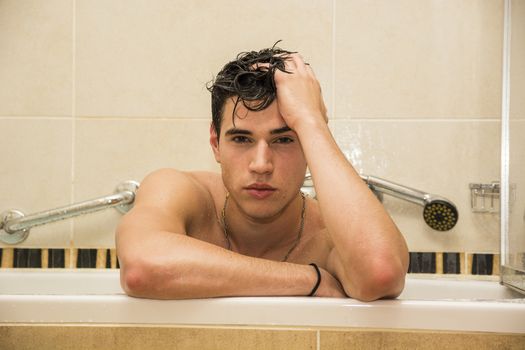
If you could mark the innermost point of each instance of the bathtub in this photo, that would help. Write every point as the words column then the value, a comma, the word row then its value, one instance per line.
column 95, row 297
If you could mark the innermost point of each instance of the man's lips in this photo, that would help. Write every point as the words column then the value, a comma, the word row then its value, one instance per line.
column 260, row 186
column 260, row 190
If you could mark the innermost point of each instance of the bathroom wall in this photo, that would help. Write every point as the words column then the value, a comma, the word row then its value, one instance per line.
column 96, row 92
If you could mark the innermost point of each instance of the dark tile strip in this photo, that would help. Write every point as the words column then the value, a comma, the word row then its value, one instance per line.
column 19, row 257
column 27, row 258
column 35, row 258
column 412, row 262
column 87, row 258
column 56, row 258
column 108, row 258
column 422, row 263
column 482, row 264
column 451, row 263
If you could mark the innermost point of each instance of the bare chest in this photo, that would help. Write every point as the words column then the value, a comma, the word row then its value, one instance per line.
column 314, row 245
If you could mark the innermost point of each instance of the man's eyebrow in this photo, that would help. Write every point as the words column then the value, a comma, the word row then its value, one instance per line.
column 281, row 130
column 235, row 131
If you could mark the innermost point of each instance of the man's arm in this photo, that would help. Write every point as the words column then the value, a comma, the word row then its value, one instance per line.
column 159, row 260
column 370, row 256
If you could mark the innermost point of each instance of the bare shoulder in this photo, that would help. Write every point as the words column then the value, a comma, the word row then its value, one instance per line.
column 160, row 186
column 163, row 181
column 173, row 197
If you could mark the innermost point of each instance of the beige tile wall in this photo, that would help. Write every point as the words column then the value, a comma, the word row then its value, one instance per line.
column 96, row 92
column 517, row 61
column 418, row 59
column 429, row 155
column 127, row 149
column 156, row 337
column 36, row 172
column 36, row 45
column 154, row 58
column 85, row 336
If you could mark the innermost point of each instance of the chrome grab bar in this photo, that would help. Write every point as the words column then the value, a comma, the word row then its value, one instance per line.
column 15, row 226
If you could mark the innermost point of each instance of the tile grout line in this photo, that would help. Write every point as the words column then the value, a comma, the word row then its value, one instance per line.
column 333, row 57
column 318, row 339
column 361, row 118
column 73, row 124
column 441, row 119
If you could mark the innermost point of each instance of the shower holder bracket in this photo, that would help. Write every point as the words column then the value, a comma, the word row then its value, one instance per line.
column 131, row 186
column 485, row 197
column 15, row 237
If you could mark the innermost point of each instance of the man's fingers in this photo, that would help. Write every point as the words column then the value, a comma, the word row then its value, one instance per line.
column 292, row 62
column 309, row 69
column 298, row 61
column 258, row 65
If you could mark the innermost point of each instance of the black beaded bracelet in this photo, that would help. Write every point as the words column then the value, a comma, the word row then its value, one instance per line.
column 312, row 293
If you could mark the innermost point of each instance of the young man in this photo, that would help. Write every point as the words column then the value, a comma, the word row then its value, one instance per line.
column 249, row 231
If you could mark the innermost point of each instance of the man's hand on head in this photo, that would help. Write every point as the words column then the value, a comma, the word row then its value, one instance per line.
column 299, row 93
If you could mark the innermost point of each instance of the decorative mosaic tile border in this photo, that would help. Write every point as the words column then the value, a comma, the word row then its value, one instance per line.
column 454, row 263
column 58, row 258
column 429, row 262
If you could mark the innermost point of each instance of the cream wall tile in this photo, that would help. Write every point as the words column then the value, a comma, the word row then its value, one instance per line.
column 418, row 59
column 124, row 337
column 438, row 157
column 517, row 60
column 108, row 152
column 154, row 58
column 36, row 61
column 36, row 173
column 372, row 339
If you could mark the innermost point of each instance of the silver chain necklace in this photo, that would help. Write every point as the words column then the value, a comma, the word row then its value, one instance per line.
column 299, row 234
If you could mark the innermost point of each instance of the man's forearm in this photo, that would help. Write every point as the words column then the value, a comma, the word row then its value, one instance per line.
column 174, row 266
column 369, row 245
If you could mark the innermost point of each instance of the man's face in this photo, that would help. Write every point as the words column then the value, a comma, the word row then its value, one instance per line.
column 263, row 165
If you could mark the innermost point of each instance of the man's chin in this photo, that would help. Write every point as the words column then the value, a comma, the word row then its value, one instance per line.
column 264, row 211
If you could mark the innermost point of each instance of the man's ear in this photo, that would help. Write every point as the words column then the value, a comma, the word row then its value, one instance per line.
column 214, row 142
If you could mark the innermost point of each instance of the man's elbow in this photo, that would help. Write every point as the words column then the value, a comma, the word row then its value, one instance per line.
column 134, row 281
column 383, row 283
column 142, row 280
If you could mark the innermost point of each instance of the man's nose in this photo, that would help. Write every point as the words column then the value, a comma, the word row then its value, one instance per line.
column 262, row 159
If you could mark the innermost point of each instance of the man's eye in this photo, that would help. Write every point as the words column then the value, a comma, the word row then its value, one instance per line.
column 240, row 139
column 284, row 140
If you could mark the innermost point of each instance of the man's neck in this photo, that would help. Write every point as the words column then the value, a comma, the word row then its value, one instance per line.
column 266, row 237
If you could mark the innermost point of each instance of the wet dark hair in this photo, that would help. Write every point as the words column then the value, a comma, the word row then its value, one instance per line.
column 253, row 86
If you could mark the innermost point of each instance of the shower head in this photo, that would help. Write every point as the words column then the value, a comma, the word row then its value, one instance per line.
column 440, row 214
